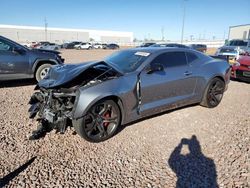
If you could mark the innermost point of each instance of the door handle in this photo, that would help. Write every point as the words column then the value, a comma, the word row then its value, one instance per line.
column 187, row 73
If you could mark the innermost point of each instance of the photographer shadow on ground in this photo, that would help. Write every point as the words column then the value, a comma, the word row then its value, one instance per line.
column 192, row 169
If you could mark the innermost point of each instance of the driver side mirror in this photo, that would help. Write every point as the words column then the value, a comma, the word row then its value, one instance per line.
column 18, row 50
column 154, row 68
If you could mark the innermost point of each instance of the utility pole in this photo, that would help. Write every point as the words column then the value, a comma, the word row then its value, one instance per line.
column 204, row 35
column 183, row 20
column 45, row 28
column 17, row 33
column 162, row 33
column 191, row 37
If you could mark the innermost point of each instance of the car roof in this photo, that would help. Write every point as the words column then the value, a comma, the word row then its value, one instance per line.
column 158, row 49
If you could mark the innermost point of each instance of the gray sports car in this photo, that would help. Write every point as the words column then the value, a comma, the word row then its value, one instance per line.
column 98, row 97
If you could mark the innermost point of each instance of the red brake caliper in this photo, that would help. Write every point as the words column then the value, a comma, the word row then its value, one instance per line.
column 106, row 115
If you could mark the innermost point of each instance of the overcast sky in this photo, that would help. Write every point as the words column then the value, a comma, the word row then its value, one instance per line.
column 146, row 18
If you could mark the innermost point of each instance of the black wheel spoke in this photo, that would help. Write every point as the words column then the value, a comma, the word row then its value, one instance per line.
column 90, row 128
column 110, row 119
column 216, row 85
column 218, row 90
column 215, row 98
column 105, row 109
column 102, row 130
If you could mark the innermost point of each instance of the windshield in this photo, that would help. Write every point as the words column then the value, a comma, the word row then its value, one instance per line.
column 127, row 61
column 237, row 43
column 155, row 45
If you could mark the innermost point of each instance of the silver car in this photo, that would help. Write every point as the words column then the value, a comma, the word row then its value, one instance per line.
column 233, row 49
column 98, row 97
column 50, row 46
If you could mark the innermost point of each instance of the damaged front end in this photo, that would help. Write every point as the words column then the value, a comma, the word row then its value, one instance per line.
column 53, row 108
column 53, row 105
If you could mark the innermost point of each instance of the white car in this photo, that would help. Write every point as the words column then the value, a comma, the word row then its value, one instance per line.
column 97, row 46
column 50, row 46
column 84, row 45
column 30, row 44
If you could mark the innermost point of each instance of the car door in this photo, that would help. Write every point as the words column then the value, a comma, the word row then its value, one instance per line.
column 169, row 86
column 13, row 64
column 84, row 45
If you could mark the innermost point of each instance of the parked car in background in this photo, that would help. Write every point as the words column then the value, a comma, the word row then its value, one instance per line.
column 104, row 45
column 30, row 44
column 176, row 45
column 98, row 97
column 147, row 44
column 199, row 47
column 65, row 44
column 241, row 69
column 19, row 62
column 42, row 43
column 50, row 46
column 233, row 49
column 111, row 46
column 84, row 45
column 97, row 46
column 71, row 45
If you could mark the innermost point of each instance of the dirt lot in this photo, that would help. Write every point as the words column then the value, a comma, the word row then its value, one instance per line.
column 149, row 153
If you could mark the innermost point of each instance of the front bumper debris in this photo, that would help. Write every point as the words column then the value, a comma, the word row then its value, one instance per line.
column 52, row 109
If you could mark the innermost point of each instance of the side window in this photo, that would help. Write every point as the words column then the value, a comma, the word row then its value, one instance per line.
column 191, row 57
column 4, row 46
column 171, row 59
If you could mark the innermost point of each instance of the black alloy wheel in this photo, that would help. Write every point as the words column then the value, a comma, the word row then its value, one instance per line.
column 214, row 93
column 100, row 122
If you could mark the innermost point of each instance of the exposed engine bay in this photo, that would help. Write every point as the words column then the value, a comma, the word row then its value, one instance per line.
column 53, row 105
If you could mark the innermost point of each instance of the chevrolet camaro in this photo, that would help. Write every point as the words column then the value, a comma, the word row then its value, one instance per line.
column 97, row 97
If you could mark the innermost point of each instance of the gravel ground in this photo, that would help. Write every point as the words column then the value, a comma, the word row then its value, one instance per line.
column 191, row 147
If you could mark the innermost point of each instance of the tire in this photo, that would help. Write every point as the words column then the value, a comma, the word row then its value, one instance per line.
column 213, row 93
column 79, row 48
column 93, row 128
column 41, row 71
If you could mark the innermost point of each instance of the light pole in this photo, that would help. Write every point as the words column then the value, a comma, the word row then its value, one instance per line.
column 45, row 27
column 162, row 33
column 183, row 20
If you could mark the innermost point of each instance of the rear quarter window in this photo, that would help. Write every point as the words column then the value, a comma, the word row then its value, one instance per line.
column 191, row 57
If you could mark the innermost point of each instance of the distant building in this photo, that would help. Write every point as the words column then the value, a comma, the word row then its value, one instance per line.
column 61, row 35
column 239, row 32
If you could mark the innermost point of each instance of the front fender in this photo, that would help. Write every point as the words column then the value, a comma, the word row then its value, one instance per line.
column 122, row 88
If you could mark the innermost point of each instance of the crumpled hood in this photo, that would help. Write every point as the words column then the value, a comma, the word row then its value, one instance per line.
column 61, row 74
